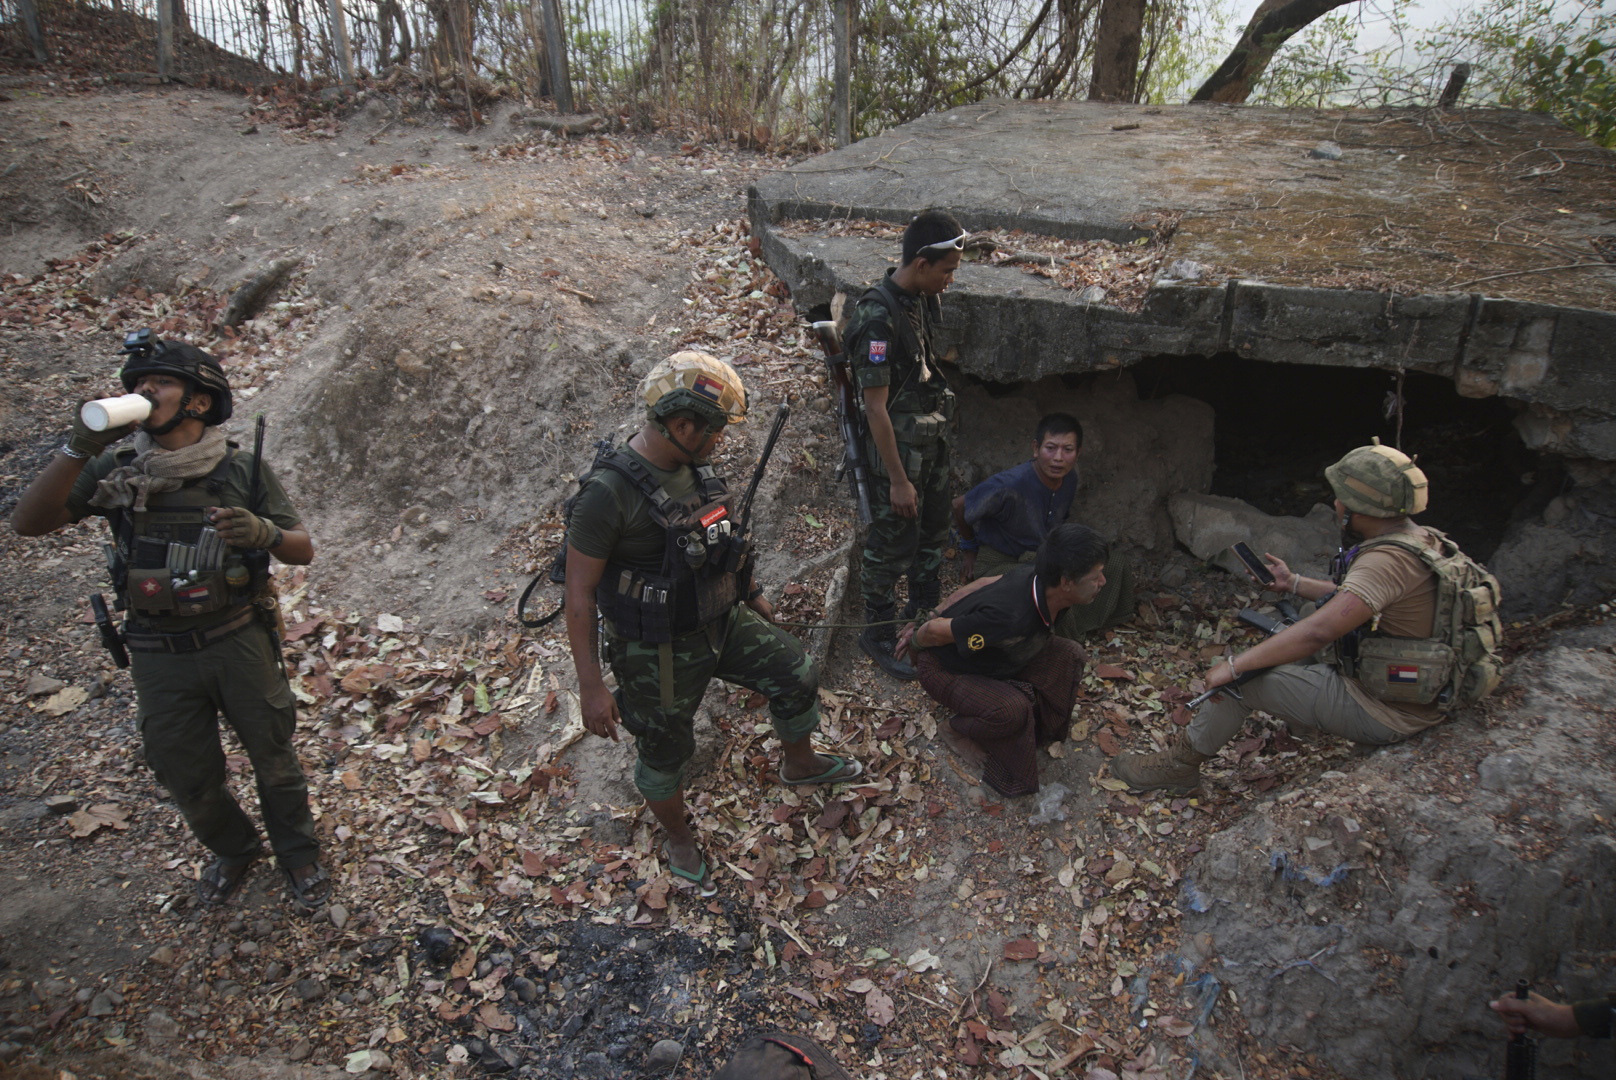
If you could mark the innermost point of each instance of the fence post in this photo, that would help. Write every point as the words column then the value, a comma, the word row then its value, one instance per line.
column 555, row 42
column 841, row 103
column 339, row 40
column 165, row 40
column 36, row 36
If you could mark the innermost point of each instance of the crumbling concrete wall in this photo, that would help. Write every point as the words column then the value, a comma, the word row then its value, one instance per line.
column 1415, row 887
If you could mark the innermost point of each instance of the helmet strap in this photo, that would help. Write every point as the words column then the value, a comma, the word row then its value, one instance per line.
column 690, row 454
column 182, row 414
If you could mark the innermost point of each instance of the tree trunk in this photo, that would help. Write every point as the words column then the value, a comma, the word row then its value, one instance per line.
column 841, row 102
column 1116, row 51
column 1272, row 25
column 36, row 35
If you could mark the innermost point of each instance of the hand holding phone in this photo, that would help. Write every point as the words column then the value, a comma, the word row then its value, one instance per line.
column 1258, row 568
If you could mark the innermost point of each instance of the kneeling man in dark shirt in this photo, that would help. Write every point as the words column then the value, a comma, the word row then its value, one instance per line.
column 991, row 657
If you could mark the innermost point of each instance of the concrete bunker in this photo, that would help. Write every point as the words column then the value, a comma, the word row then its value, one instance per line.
column 1230, row 298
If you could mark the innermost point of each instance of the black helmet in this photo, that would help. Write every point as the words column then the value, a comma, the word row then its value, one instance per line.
column 149, row 354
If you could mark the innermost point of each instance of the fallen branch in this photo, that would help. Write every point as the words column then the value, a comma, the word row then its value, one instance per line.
column 579, row 293
column 1537, row 270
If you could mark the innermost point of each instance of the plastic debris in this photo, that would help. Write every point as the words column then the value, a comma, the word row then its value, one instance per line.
column 1049, row 804
column 1280, row 862
column 1195, row 899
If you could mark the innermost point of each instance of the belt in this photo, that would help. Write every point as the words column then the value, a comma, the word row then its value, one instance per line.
column 191, row 640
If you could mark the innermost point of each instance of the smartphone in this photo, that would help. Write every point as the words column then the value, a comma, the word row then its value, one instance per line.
column 1258, row 568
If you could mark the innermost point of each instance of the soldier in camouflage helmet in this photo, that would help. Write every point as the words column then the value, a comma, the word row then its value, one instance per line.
column 1410, row 619
column 908, row 408
column 203, row 630
column 652, row 554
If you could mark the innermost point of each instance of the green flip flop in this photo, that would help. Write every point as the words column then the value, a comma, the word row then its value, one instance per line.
column 844, row 770
column 701, row 877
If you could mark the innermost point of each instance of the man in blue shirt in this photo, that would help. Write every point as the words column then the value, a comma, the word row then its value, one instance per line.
column 1002, row 520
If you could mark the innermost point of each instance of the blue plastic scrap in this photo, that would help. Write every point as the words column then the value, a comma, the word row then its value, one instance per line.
column 1280, row 861
column 1194, row 899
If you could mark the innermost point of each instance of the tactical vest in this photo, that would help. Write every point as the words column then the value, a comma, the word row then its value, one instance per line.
column 920, row 412
column 1460, row 663
column 704, row 559
column 166, row 560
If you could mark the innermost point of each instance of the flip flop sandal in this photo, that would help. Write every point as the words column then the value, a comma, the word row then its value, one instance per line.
column 312, row 891
column 844, row 770
column 702, row 878
column 221, row 880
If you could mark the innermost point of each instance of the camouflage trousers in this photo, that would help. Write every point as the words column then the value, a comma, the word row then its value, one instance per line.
column 898, row 546
column 660, row 687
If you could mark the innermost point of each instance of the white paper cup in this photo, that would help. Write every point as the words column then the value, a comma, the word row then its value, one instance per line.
column 105, row 414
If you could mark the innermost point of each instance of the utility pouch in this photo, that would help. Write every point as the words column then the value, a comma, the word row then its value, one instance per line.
column 1404, row 671
column 151, row 590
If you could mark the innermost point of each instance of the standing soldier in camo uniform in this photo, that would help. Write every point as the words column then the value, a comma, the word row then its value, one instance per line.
column 891, row 341
column 190, row 563
column 652, row 553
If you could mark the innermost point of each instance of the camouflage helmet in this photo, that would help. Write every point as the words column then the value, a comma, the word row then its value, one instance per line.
column 697, row 382
column 150, row 355
column 1378, row 481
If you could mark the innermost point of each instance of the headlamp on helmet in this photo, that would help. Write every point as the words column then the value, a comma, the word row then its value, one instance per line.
column 1378, row 481
column 150, row 355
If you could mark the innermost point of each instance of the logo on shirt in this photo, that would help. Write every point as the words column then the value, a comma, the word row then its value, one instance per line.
column 878, row 352
column 1402, row 673
column 976, row 643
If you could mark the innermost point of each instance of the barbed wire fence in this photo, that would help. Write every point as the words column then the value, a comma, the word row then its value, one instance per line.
column 761, row 71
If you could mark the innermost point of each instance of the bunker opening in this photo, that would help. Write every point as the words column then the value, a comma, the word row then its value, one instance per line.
column 1278, row 425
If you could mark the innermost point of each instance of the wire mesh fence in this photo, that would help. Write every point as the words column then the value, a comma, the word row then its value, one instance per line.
column 761, row 70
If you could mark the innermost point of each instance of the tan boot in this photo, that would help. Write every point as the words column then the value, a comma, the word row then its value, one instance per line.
column 1175, row 770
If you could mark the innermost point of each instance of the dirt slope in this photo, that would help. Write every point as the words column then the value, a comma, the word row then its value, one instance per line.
column 466, row 315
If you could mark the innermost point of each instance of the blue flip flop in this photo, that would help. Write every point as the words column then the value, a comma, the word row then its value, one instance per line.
column 701, row 878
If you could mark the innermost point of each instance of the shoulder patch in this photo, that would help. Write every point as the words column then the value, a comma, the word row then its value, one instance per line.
column 878, row 352
column 976, row 643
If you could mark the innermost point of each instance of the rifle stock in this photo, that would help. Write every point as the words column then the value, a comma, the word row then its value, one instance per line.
column 848, row 419
column 110, row 638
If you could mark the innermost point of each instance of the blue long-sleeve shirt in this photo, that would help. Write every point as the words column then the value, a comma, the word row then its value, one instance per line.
column 1013, row 511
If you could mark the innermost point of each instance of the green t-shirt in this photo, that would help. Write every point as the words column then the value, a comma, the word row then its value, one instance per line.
column 612, row 520
column 237, row 483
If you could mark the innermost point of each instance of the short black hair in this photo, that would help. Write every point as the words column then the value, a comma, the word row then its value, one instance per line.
column 1069, row 552
column 1058, row 423
column 929, row 227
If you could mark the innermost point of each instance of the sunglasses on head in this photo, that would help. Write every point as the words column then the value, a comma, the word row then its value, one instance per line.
column 956, row 244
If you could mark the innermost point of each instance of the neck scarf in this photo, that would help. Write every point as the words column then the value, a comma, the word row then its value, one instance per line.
column 156, row 470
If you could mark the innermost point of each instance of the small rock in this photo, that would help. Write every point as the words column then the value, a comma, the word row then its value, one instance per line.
column 310, row 989
column 1314, row 843
column 664, row 1056
column 339, row 915
column 1184, row 270
column 247, row 948
column 42, row 684
column 410, row 364
column 1504, row 772
column 9, row 1052
column 1326, row 151
column 300, row 1050
column 228, row 988
column 441, row 529
column 262, row 928
column 1094, row 294
column 62, row 804
column 438, row 942
column 101, row 1005
column 274, row 971
column 527, row 991
column 163, row 954
column 160, row 1027
column 222, row 950
column 53, row 988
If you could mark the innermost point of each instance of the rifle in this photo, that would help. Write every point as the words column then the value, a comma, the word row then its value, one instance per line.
column 111, row 640
column 256, row 561
column 848, row 418
column 780, row 416
column 1520, row 1056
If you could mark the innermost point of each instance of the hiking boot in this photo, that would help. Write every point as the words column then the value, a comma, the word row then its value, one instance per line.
column 923, row 599
column 1175, row 770
column 878, row 642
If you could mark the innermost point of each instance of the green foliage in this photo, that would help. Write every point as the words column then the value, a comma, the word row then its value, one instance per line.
column 1183, row 40
column 909, row 63
column 1524, row 54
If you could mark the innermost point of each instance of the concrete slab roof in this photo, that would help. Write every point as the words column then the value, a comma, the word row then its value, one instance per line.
column 1473, row 244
